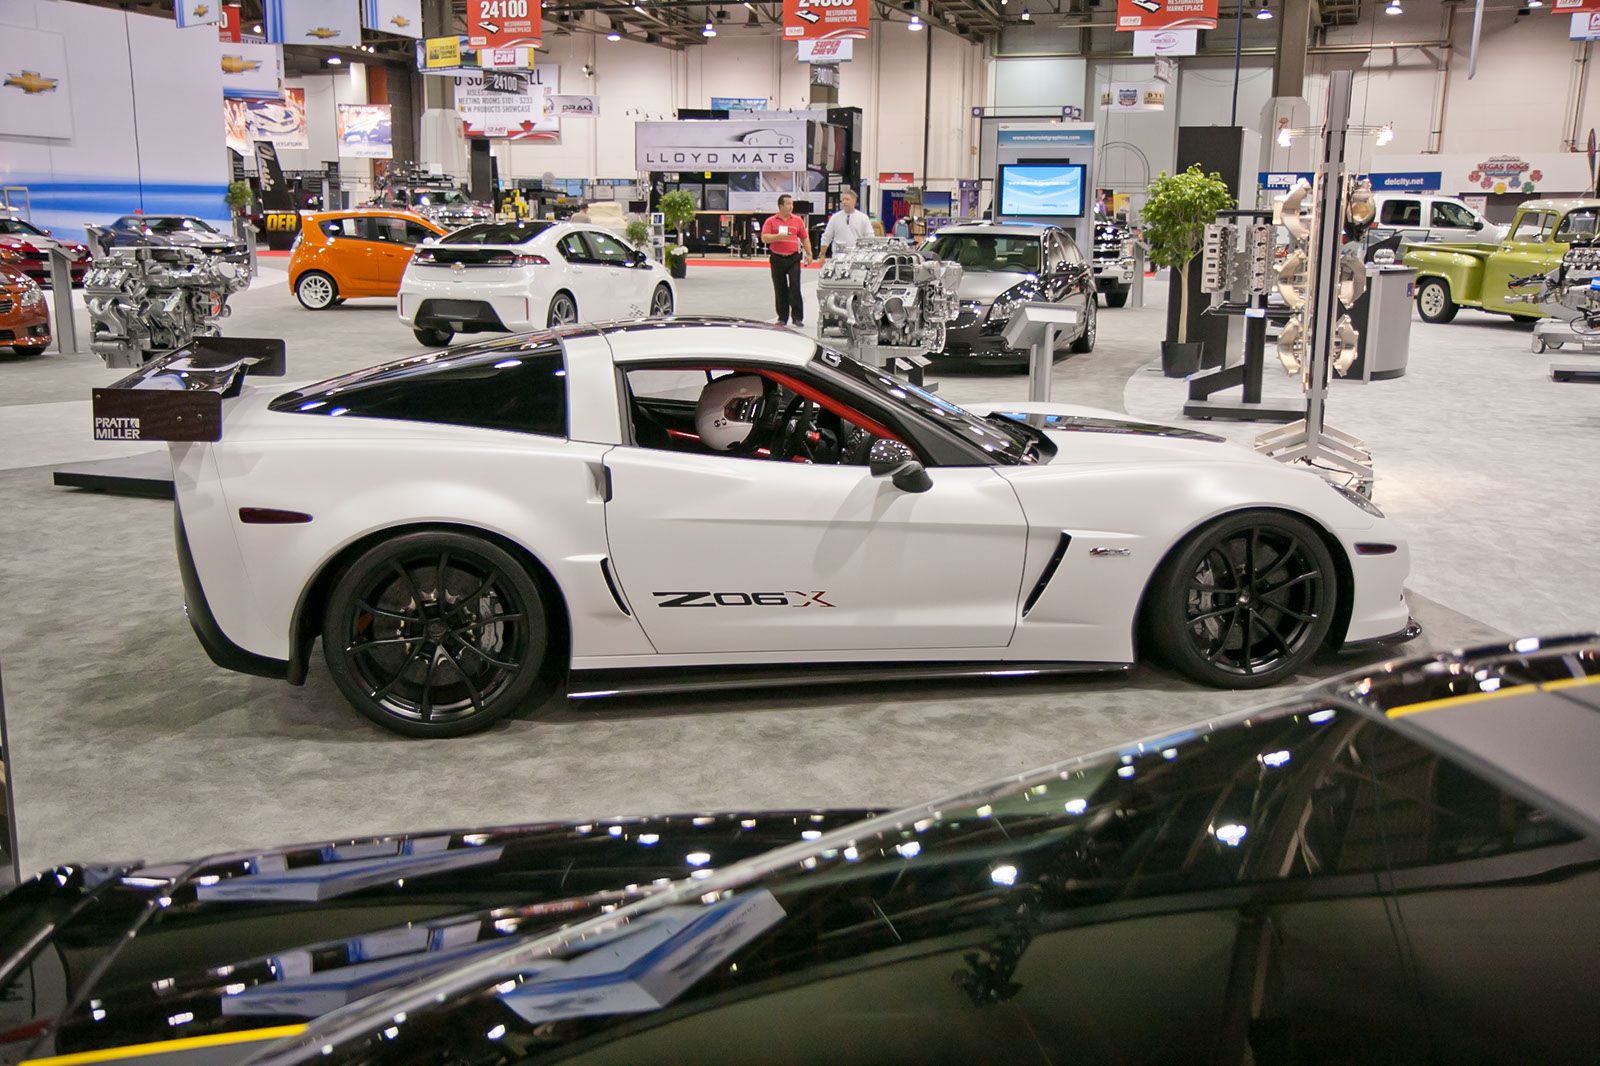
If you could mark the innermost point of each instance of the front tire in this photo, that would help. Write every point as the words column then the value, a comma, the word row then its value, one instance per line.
column 1433, row 301
column 316, row 291
column 661, row 302
column 563, row 310
column 28, row 349
column 1245, row 602
column 436, row 634
column 1084, row 342
column 1116, row 297
column 436, row 337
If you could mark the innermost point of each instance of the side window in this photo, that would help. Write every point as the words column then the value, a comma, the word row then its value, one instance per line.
column 349, row 227
column 1451, row 215
column 573, row 250
column 1401, row 213
column 387, row 230
column 1577, row 226
column 521, row 391
column 607, row 249
column 1532, row 227
column 416, row 233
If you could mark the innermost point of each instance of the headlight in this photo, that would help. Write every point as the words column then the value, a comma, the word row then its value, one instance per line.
column 33, row 296
column 1008, row 301
column 1356, row 498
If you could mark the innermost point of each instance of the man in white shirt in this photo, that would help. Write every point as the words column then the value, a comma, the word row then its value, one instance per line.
column 845, row 227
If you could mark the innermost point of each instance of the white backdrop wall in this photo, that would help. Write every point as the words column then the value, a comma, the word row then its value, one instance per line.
column 324, row 92
column 147, row 129
column 886, row 79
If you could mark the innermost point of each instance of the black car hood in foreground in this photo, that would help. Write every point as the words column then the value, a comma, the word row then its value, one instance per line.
column 1396, row 867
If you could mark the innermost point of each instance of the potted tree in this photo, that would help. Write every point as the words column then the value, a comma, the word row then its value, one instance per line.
column 1175, row 219
column 638, row 234
column 239, row 197
column 677, row 210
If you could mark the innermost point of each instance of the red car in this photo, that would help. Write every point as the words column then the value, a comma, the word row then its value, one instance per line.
column 24, row 318
column 30, row 249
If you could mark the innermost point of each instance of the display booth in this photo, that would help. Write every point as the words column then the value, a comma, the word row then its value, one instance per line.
column 1044, row 172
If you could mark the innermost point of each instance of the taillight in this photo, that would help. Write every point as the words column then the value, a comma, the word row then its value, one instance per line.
column 529, row 260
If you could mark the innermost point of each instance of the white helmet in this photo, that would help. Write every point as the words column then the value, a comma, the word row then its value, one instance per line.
column 728, row 410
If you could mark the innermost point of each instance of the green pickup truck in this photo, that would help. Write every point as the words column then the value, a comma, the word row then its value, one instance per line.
column 1452, row 276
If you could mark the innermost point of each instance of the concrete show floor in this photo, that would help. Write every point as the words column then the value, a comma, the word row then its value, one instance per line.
column 127, row 742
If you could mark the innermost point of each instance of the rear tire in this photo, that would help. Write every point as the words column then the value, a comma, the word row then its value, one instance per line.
column 316, row 291
column 1245, row 602
column 436, row 337
column 1116, row 297
column 436, row 634
column 563, row 310
column 1433, row 301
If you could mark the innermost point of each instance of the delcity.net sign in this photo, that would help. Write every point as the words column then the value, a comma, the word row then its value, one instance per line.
column 720, row 145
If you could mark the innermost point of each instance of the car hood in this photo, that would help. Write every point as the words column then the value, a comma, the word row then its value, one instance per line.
column 985, row 286
column 189, row 239
column 1087, row 435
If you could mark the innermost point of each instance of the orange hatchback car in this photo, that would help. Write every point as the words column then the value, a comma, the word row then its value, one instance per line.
column 340, row 255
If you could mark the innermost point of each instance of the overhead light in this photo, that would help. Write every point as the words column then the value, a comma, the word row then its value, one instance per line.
column 1283, row 134
column 1264, row 13
column 709, row 31
column 613, row 36
column 1393, row 8
column 334, row 61
column 1535, row 3
column 915, row 25
column 1027, row 16
column 255, row 29
column 1385, row 134
column 588, row 71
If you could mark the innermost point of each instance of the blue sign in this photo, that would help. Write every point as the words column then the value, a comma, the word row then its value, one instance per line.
column 1408, row 181
column 1283, row 179
column 739, row 103
column 1062, row 138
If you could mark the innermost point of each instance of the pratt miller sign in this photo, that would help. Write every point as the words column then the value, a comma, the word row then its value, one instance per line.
column 733, row 144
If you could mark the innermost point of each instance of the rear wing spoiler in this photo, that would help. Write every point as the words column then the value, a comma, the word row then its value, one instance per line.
column 178, row 397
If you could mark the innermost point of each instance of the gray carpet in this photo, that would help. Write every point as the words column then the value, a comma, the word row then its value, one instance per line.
column 128, row 742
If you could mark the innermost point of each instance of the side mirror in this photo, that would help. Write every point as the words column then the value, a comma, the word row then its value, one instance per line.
column 1478, row 224
column 637, row 258
column 895, row 461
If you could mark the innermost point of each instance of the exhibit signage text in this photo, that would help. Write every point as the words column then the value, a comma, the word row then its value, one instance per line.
column 733, row 144
column 1135, row 15
column 826, row 19
column 503, row 23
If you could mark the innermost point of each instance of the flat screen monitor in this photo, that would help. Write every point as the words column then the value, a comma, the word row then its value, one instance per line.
column 1038, row 190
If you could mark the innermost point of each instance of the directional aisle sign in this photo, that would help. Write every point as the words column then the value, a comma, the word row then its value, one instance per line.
column 503, row 23
column 825, row 19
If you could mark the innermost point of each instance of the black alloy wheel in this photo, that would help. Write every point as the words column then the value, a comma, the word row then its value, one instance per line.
column 563, row 310
column 1116, row 297
column 436, row 634
column 434, row 337
column 661, row 302
column 1246, row 602
column 1085, row 340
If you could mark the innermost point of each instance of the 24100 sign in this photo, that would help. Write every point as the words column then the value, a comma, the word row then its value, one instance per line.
column 502, row 23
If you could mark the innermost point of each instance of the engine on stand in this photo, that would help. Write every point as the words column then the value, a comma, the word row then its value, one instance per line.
column 888, row 303
column 145, row 302
column 1570, row 295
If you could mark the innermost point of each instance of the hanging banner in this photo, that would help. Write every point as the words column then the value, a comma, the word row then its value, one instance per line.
column 283, row 122
column 731, row 144
column 228, row 26
column 1567, row 7
column 33, row 93
column 528, row 115
column 1585, row 27
column 1133, row 96
column 252, row 70
column 364, row 131
column 1135, row 15
column 440, row 53
column 1166, row 70
column 581, row 106
column 403, row 17
column 236, row 127
column 503, row 23
column 197, row 12
column 825, row 19
column 334, row 23
column 1165, row 42
column 739, row 103
column 521, row 58
column 832, row 50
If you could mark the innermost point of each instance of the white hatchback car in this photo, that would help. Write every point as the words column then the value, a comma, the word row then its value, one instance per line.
column 510, row 277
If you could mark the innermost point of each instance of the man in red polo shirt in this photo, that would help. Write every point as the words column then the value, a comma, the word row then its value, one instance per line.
column 789, row 243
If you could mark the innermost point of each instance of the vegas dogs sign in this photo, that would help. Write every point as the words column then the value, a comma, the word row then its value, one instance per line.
column 805, row 20
column 729, row 144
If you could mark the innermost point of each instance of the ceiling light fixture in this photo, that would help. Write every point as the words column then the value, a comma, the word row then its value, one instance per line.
column 1535, row 3
column 613, row 36
column 709, row 31
column 1264, row 13
column 334, row 61
column 1027, row 16
column 255, row 29
column 915, row 25
column 1393, row 8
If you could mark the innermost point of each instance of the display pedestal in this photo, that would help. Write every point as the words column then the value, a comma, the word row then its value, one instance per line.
column 147, row 474
column 1584, row 372
column 1034, row 326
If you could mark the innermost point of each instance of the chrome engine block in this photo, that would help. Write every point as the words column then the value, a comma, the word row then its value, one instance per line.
column 147, row 301
column 885, row 300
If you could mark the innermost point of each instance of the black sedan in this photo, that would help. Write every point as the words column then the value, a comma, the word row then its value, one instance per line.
column 1004, row 266
column 1399, row 867
column 168, row 231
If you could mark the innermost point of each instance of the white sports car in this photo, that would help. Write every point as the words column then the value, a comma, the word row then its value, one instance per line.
column 516, row 276
column 623, row 507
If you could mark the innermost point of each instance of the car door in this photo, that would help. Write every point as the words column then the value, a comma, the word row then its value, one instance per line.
column 584, row 278
column 627, row 286
column 1450, row 221
column 720, row 553
column 1528, row 250
column 389, row 252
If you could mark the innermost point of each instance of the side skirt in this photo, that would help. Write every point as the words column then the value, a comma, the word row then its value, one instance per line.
column 653, row 681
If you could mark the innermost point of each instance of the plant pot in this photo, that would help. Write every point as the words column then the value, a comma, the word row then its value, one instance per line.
column 1179, row 359
column 678, row 266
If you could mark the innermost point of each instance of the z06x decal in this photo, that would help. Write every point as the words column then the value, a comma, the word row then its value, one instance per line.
column 791, row 598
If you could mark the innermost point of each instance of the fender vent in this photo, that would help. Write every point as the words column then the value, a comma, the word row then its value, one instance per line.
column 1047, row 573
column 611, row 583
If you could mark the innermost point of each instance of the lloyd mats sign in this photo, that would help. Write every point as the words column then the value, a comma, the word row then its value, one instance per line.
column 720, row 145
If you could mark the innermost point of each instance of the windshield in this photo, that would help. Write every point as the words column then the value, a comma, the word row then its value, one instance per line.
column 17, row 226
column 177, row 225
column 1008, row 441
column 497, row 233
column 989, row 252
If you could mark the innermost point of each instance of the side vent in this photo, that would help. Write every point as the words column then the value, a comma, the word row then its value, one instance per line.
column 611, row 583
column 1047, row 573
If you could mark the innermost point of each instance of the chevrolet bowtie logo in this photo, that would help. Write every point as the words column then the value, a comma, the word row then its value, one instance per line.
column 458, row 267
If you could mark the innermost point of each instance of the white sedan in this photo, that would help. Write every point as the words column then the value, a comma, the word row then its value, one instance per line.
column 516, row 276
column 689, row 502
